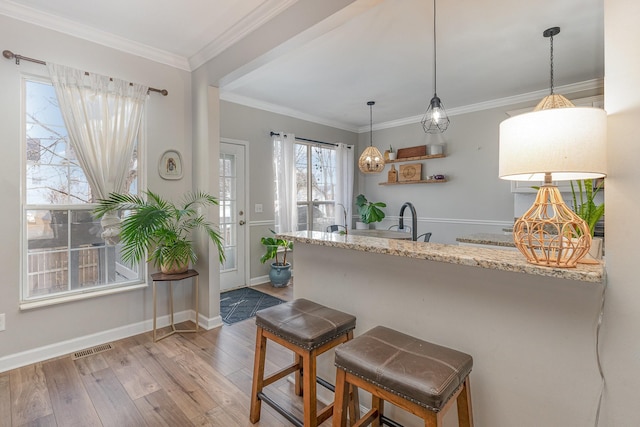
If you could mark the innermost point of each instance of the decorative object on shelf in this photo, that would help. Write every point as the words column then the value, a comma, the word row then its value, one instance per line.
column 392, row 154
column 435, row 119
column 417, row 151
column 170, row 165
column 434, row 149
column 392, row 175
column 280, row 273
column 583, row 194
column 410, row 172
column 554, row 142
column 158, row 224
column 369, row 211
column 371, row 160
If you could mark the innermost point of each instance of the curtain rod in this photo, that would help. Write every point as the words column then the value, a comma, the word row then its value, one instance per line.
column 10, row 55
column 311, row 140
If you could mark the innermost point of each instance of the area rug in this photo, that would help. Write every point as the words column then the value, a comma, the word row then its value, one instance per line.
column 241, row 304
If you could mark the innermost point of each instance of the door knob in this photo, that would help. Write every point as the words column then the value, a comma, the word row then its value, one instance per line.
column 241, row 222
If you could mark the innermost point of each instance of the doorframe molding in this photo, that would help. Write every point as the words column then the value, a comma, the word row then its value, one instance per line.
column 247, row 211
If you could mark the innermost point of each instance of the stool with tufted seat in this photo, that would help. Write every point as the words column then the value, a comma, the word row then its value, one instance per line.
column 308, row 329
column 417, row 376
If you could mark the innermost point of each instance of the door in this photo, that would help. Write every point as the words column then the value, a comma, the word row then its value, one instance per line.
column 233, row 219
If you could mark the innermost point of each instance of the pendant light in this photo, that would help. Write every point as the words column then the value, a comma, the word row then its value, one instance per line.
column 552, row 100
column 435, row 119
column 371, row 160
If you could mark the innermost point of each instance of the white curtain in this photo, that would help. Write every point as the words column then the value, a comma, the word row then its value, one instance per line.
column 344, row 184
column 102, row 116
column 284, row 169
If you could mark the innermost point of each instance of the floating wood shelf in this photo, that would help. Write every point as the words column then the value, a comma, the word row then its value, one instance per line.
column 408, row 159
column 423, row 181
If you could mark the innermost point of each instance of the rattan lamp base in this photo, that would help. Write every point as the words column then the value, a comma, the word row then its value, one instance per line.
column 549, row 233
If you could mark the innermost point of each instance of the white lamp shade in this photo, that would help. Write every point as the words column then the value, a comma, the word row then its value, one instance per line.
column 569, row 143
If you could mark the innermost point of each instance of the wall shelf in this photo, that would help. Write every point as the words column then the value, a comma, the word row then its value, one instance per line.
column 409, row 159
column 422, row 181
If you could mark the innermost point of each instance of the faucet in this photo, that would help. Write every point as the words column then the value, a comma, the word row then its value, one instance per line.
column 414, row 220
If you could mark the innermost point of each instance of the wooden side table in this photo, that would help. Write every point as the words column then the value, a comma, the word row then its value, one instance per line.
column 161, row 277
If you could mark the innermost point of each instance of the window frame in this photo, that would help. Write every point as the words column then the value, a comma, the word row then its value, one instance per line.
column 30, row 302
column 310, row 204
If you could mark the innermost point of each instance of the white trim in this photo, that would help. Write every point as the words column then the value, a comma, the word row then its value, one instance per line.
column 285, row 111
column 259, row 280
column 258, row 17
column 62, row 348
column 495, row 103
column 262, row 223
column 465, row 221
column 82, row 31
column 596, row 101
column 209, row 323
column 29, row 305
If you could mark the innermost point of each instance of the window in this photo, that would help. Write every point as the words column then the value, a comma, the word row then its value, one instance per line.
column 63, row 252
column 316, row 185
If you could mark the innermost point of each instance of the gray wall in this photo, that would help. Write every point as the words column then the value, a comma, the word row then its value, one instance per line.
column 168, row 126
column 254, row 125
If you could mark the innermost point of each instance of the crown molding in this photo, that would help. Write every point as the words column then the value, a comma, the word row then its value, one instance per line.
column 82, row 31
column 258, row 17
column 495, row 103
column 278, row 109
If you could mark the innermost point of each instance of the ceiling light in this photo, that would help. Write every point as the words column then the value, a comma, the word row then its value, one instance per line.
column 371, row 160
column 435, row 119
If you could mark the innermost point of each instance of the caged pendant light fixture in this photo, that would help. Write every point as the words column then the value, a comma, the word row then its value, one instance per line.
column 371, row 160
column 435, row 119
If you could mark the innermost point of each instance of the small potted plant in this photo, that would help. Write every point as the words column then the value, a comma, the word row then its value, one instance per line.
column 280, row 273
column 392, row 154
column 369, row 211
column 160, row 228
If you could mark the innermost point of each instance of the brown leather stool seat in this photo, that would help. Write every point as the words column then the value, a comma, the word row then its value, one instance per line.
column 418, row 376
column 308, row 329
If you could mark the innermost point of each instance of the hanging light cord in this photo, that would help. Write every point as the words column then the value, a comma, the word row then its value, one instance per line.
column 551, row 58
column 370, row 125
column 435, row 52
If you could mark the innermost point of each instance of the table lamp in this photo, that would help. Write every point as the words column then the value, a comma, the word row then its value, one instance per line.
column 553, row 144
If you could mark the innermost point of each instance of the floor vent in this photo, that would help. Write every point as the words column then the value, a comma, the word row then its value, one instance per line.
column 91, row 351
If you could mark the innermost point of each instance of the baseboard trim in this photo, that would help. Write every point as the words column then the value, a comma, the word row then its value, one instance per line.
column 62, row 348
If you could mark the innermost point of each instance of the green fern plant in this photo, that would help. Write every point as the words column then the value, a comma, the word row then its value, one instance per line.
column 583, row 202
column 160, row 228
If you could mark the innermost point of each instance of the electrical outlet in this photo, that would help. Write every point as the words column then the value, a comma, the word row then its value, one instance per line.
column 258, row 207
column 2, row 322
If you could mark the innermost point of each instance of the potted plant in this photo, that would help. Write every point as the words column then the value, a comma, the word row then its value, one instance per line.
column 160, row 228
column 280, row 273
column 392, row 154
column 584, row 206
column 369, row 211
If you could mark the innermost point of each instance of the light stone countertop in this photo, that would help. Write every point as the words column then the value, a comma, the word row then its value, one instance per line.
column 496, row 239
column 495, row 259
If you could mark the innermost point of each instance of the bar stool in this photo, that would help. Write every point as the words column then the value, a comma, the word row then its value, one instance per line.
column 308, row 329
column 417, row 376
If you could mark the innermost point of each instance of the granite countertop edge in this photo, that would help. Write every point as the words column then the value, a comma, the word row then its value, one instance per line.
column 494, row 259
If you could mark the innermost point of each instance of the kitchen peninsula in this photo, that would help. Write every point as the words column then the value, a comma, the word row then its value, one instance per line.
column 530, row 329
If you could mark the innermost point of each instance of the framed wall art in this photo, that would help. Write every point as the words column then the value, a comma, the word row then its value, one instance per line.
column 170, row 165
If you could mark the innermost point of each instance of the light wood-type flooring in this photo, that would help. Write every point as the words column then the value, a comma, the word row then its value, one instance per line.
column 199, row 379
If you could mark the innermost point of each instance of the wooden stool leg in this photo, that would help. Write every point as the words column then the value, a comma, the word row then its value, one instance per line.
column 258, row 375
column 309, row 389
column 340, row 400
column 378, row 404
column 298, row 375
column 465, row 414
column 354, row 405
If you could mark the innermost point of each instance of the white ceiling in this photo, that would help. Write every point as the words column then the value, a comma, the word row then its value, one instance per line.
column 490, row 52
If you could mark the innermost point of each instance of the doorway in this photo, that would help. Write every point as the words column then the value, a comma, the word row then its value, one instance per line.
column 233, row 218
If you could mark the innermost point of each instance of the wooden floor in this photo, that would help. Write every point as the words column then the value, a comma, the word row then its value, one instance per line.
column 200, row 379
